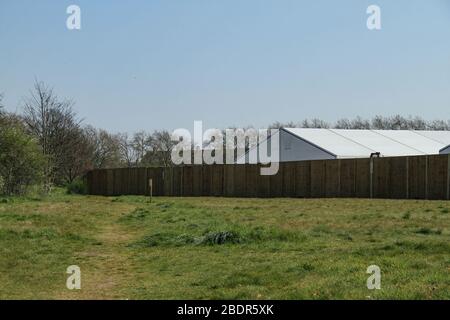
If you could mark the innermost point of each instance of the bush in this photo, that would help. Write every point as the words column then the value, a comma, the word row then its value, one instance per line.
column 76, row 187
column 21, row 159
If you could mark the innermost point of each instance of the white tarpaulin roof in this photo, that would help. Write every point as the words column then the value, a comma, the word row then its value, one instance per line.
column 361, row 143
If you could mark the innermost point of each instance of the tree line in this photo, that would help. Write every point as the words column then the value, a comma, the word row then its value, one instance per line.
column 378, row 122
column 47, row 144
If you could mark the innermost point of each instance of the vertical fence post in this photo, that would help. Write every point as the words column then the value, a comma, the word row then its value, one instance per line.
column 182, row 181
column 426, row 177
column 163, row 184
column 355, row 179
column 448, row 178
column 371, row 177
column 407, row 177
column 339, row 178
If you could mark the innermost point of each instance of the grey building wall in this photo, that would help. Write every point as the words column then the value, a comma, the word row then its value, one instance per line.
column 293, row 148
column 446, row 150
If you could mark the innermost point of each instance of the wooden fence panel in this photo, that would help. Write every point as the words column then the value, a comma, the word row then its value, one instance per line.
column 362, row 185
column 177, row 181
column 109, row 182
column 188, row 178
column 197, row 180
column 142, row 181
column 240, row 171
column 207, row 180
column 398, row 178
column 263, row 184
column 217, row 180
column 94, row 181
column 116, row 182
column 251, row 180
column 347, row 179
column 125, row 181
column 381, row 181
column 157, row 177
column 228, row 180
column 318, row 179
column 417, row 177
column 303, row 179
column 437, row 177
column 332, row 178
column 276, row 183
column 133, row 182
column 167, row 176
column 288, row 172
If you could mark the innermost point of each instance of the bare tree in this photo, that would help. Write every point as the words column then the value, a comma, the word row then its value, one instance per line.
column 314, row 123
column 439, row 125
column 417, row 123
column 55, row 125
column 396, row 122
column 126, row 150
column 74, row 156
column 161, row 149
column 141, row 144
column 343, row 124
column 278, row 125
column 105, row 148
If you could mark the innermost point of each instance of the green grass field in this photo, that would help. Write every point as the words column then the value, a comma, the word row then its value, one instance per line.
column 223, row 248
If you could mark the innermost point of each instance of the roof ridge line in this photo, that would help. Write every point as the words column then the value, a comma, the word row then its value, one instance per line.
column 415, row 131
column 360, row 144
column 403, row 144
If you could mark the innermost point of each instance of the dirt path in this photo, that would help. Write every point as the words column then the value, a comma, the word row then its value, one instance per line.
column 105, row 267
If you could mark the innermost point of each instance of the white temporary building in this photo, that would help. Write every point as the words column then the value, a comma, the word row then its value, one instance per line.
column 297, row 144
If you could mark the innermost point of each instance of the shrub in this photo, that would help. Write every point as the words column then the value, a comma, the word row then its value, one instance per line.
column 77, row 186
column 21, row 159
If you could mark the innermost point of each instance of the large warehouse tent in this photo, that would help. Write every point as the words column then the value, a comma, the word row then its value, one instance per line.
column 297, row 144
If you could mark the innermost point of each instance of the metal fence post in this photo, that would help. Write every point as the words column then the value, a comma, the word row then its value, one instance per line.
column 448, row 178
column 426, row 177
column 407, row 177
column 371, row 177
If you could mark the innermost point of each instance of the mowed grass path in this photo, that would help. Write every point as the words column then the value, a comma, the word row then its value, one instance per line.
column 223, row 248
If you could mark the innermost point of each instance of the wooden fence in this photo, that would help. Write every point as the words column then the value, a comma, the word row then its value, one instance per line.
column 417, row 177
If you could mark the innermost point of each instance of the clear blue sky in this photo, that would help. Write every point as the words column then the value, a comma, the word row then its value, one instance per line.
column 163, row 64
